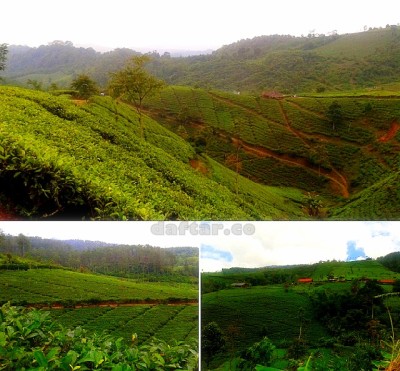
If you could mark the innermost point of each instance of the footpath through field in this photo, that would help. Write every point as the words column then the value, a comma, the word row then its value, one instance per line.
column 114, row 304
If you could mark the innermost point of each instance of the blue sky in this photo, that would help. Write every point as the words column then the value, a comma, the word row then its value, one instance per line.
column 177, row 24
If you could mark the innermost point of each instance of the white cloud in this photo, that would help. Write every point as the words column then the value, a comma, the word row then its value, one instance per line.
column 159, row 24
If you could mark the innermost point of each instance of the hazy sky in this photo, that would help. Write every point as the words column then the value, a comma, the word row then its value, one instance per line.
column 233, row 244
column 182, row 24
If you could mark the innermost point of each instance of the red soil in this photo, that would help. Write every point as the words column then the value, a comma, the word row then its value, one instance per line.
column 112, row 304
column 198, row 165
column 394, row 128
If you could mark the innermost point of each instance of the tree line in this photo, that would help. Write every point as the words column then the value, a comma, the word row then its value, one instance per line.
column 99, row 257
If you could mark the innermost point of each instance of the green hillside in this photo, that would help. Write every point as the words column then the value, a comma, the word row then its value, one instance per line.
column 291, row 64
column 77, row 160
column 294, row 142
column 98, row 303
column 51, row 286
column 294, row 316
column 232, row 157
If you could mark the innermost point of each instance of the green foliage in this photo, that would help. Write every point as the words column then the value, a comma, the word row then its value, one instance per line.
column 334, row 114
column 313, row 204
column 29, row 338
column 212, row 341
column 36, row 85
column 61, row 160
column 260, row 353
column 85, row 86
column 133, row 84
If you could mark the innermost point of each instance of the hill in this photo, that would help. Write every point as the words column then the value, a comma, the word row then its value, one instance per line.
column 294, row 141
column 232, row 157
column 72, row 160
column 283, row 63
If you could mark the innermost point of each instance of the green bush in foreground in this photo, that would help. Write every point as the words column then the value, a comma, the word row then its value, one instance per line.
column 29, row 340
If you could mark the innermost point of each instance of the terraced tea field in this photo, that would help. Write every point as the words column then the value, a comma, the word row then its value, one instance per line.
column 163, row 322
column 245, row 315
column 293, row 142
column 67, row 161
column 99, row 303
column 51, row 286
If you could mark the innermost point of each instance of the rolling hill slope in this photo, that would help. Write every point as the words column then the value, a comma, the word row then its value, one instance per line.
column 72, row 160
column 292, row 141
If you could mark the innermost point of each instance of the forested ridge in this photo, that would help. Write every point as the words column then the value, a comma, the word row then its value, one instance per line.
column 99, row 257
column 277, row 62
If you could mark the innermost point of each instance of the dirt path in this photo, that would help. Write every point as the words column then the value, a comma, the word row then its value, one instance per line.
column 112, row 304
column 338, row 180
column 394, row 128
column 296, row 133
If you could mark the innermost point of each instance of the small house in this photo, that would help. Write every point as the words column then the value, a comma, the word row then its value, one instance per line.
column 305, row 280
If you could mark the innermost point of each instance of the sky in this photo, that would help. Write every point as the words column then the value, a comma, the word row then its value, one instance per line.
column 182, row 24
column 235, row 244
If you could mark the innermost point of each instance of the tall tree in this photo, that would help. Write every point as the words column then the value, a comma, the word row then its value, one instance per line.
column 85, row 86
column 2, row 240
column 334, row 114
column 133, row 84
column 23, row 244
column 3, row 56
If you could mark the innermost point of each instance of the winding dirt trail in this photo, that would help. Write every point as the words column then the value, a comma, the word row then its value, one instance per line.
column 394, row 128
column 338, row 180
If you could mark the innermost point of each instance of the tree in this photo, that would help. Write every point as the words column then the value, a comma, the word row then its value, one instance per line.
column 212, row 341
column 133, row 84
column 23, row 244
column 259, row 353
column 334, row 114
column 3, row 56
column 36, row 85
column 313, row 204
column 85, row 86
column 2, row 240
